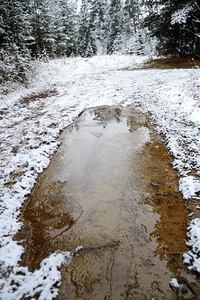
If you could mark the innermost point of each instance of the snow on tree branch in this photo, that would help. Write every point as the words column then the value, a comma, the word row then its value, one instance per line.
column 181, row 15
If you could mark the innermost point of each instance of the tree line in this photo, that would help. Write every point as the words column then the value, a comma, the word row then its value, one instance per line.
column 32, row 29
column 176, row 25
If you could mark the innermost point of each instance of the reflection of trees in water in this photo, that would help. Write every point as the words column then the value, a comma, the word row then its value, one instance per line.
column 107, row 114
column 75, row 126
column 170, row 230
column 132, row 123
column 147, row 173
column 136, row 120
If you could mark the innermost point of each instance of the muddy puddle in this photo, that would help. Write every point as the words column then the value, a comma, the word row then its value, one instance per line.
column 111, row 189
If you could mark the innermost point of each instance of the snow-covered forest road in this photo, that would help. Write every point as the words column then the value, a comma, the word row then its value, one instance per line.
column 31, row 119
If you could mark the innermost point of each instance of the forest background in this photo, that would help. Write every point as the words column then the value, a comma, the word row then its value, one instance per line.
column 44, row 29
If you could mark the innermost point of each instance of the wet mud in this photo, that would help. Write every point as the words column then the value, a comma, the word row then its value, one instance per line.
column 111, row 189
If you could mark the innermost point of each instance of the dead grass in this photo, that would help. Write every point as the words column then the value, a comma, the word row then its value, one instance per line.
column 46, row 94
column 173, row 63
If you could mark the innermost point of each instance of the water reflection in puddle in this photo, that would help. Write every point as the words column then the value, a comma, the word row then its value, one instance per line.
column 111, row 189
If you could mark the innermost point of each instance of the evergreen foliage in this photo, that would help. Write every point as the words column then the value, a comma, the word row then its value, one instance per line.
column 86, row 40
column 92, row 27
column 115, row 25
column 176, row 26
column 54, row 28
column 98, row 21
column 53, row 25
column 131, row 16
column 34, row 28
column 15, row 38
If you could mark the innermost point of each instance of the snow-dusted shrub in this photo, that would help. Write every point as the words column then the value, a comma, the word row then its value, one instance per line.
column 15, row 64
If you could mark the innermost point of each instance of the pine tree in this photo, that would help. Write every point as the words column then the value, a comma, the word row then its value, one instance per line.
column 15, row 39
column 131, row 15
column 173, row 23
column 33, row 28
column 139, row 43
column 43, row 19
column 187, row 17
column 15, row 22
column 97, row 19
column 115, row 26
column 131, row 26
column 86, row 41
column 64, row 32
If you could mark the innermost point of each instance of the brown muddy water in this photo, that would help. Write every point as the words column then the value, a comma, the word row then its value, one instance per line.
column 111, row 189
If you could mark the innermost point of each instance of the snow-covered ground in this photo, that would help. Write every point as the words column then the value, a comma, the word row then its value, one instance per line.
column 31, row 119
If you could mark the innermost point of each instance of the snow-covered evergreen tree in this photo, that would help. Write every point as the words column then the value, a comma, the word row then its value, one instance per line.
column 86, row 40
column 34, row 28
column 115, row 26
column 65, row 27
column 130, row 25
column 131, row 16
column 52, row 28
column 99, row 31
column 15, row 39
column 176, row 26
column 43, row 14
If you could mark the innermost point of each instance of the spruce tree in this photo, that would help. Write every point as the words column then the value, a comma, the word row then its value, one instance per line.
column 31, row 28
column 86, row 41
column 15, row 39
column 97, row 18
column 64, row 32
column 115, row 26
column 131, row 15
column 131, row 27
column 173, row 23
column 43, row 19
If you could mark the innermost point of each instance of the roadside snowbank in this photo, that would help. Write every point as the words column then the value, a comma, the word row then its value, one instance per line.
column 32, row 118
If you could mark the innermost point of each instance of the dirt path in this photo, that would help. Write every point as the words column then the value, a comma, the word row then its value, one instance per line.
column 111, row 189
